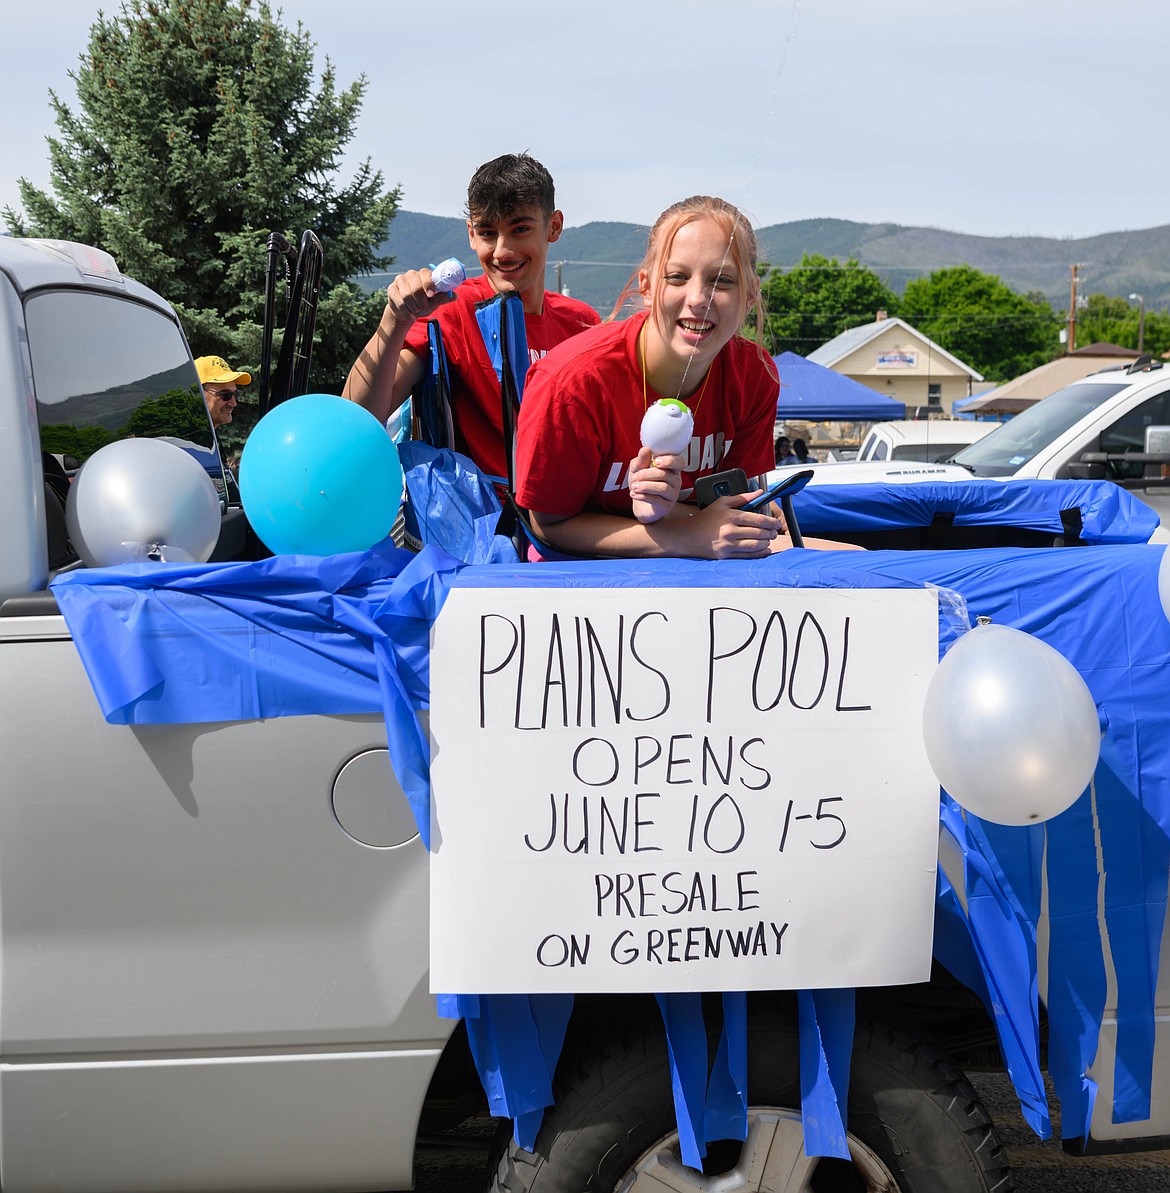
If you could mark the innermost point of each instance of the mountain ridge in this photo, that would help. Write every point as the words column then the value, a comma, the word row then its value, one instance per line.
column 597, row 258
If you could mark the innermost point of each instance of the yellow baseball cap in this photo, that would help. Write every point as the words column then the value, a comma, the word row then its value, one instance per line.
column 214, row 370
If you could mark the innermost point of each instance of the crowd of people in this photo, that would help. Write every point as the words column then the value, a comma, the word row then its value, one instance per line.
column 584, row 481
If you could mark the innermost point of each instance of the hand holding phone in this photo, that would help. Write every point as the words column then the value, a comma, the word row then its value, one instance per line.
column 728, row 483
column 785, row 488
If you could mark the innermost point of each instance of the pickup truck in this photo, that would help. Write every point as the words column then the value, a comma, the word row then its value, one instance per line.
column 1113, row 425
column 214, row 935
column 928, row 439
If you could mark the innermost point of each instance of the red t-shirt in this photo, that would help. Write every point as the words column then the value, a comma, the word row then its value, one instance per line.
column 475, row 396
column 581, row 418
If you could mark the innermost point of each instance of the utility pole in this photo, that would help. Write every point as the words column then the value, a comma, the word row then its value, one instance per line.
column 1141, row 321
column 1072, row 311
column 560, row 284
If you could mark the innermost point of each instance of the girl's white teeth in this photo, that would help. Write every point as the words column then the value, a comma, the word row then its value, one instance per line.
column 697, row 327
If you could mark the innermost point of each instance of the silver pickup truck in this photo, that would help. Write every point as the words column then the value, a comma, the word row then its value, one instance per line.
column 214, row 937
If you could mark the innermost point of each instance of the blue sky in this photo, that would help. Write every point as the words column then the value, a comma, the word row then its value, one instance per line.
column 1008, row 117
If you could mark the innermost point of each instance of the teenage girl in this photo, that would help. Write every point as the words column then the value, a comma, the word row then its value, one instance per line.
column 589, row 485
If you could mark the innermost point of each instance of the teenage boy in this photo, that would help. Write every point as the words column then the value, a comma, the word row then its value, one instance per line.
column 511, row 221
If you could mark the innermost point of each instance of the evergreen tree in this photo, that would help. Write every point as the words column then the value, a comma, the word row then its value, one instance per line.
column 820, row 298
column 983, row 321
column 198, row 131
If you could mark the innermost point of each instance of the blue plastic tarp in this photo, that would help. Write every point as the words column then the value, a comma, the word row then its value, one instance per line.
column 1108, row 513
column 291, row 635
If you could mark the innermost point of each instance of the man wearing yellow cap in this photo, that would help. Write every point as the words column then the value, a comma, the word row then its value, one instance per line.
column 219, row 381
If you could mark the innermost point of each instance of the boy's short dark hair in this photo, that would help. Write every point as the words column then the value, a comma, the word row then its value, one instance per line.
column 507, row 183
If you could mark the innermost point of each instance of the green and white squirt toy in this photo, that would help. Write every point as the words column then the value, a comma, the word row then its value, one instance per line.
column 667, row 427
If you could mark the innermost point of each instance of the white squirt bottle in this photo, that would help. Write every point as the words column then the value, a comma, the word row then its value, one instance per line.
column 448, row 274
column 667, row 427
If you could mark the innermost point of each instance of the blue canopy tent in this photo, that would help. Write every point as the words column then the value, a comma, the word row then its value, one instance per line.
column 811, row 392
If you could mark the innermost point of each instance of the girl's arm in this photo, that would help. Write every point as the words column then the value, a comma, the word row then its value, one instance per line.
column 721, row 531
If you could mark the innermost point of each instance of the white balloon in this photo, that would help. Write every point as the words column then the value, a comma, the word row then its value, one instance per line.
column 142, row 499
column 667, row 427
column 1164, row 581
column 1010, row 727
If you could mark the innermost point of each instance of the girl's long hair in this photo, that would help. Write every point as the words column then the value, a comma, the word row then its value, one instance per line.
column 741, row 249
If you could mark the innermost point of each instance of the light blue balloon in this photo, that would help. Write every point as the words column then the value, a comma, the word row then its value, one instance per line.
column 319, row 475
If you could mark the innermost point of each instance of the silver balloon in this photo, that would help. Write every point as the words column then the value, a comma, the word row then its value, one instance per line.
column 142, row 499
column 1010, row 727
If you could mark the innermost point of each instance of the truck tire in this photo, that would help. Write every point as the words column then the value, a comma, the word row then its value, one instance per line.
column 915, row 1124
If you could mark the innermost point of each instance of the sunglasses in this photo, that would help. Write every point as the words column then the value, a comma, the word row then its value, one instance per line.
column 223, row 394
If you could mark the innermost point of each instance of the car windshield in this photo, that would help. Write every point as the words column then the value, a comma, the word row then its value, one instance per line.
column 1010, row 447
column 930, row 452
column 127, row 373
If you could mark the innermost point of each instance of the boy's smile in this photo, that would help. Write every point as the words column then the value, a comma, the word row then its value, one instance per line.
column 513, row 250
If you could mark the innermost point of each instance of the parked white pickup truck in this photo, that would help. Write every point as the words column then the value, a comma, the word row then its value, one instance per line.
column 1113, row 425
column 927, row 439
column 214, row 936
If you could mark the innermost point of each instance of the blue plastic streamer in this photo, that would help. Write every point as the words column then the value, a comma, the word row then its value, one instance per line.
column 827, row 1020
column 1076, row 965
column 456, row 1006
column 513, row 1039
column 686, row 1050
column 1005, row 946
column 725, row 1116
column 1130, row 891
column 953, row 947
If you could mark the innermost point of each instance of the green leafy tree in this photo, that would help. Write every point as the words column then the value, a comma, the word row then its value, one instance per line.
column 820, row 298
column 983, row 321
column 178, row 413
column 1111, row 320
column 80, row 442
column 198, row 131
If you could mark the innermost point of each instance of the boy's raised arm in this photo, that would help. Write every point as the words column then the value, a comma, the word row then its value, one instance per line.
column 386, row 371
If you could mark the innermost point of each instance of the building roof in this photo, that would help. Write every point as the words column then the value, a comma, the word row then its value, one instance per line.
column 850, row 341
column 991, row 403
column 1102, row 348
column 1056, row 374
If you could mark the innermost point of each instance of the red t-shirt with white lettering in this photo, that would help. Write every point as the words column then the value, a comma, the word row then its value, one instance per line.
column 581, row 418
column 475, row 396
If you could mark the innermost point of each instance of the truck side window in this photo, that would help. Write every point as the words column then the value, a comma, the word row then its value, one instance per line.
column 127, row 373
column 880, row 451
column 1128, row 433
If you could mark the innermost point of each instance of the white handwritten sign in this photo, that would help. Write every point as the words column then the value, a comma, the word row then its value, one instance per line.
column 681, row 789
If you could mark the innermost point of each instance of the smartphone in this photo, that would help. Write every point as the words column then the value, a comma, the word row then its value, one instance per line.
column 720, row 484
column 785, row 488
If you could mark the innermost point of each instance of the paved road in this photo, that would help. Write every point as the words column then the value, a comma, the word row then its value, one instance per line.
column 458, row 1161
column 1039, row 1167
column 1043, row 1167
